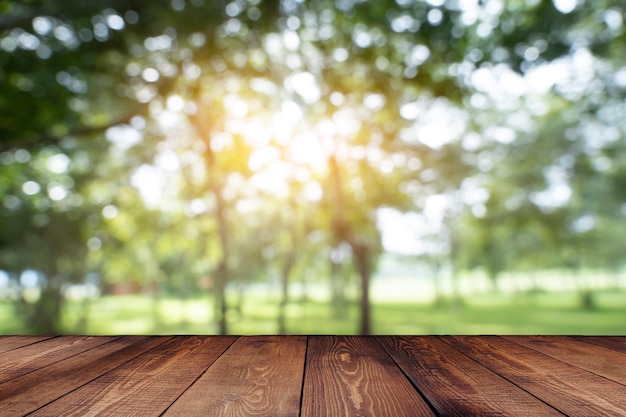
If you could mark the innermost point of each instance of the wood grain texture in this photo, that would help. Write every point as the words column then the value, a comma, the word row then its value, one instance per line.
column 572, row 390
column 616, row 343
column 38, row 388
column 312, row 376
column 256, row 376
column 24, row 360
column 458, row 386
column 603, row 362
column 145, row 385
column 354, row 376
column 8, row 343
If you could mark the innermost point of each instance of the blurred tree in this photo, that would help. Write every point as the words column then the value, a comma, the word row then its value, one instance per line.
column 181, row 111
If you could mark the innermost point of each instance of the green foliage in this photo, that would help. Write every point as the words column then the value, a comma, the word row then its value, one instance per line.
column 183, row 145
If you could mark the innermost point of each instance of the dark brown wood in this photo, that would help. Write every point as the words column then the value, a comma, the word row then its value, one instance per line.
column 259, row 375
column 616, row 343
column 29, row 358
column 312, row 376
column 8, row 343
column 607, row 363
column 145, row 385
column 457, row 385
column 31, row 391
column 354, row 376
column 572, row 390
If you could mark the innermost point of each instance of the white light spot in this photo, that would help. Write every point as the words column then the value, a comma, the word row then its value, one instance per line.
column 409, row 111
column 150, row 75
column 175, row 103
column 167, row 160
column 4, row 279
column 613, row 19
column 197, row 206
column 501, row 134
column 263, row 85
column 63, row 33
column 56, row 191
column 150, row 181
column 42, row 25
column 435, row 17
column 400, row 232
column 565, row 6
column 31, row 188
column 109, row 211
column 236, row 106
column 94, row 243
column 263, row 157
column 293, row 22
column 337, row 98
column 28, row 41
column 115, row 22
column 307, row 149
column 305, row 85
column 620, row 77
column 124, row 137
column 291, row 111
column 362, row 39
column 29, row 278
column 418, row 55
column 340, row 54
column 291, row 40
column 584, row 223
column 313, row 191
column 386, row 166
column 374, row 102
column 58, row 163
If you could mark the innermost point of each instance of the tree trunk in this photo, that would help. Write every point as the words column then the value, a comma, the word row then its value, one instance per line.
column 362, row 263
column 439, row 299
column 204, row 128
column 360, row 252
column 337, row 290
column 284, row 280
column 221, row 306
column 43, row 316
column 456, row 301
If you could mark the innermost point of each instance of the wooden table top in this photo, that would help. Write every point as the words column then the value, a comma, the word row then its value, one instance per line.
column 313, row 376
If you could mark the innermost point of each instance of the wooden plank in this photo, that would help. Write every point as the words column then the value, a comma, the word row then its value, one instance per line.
column 456, row 385
column 354, row 376
column 29, row 358
column 8, row 343
column 573, row 391
column 31, row 391
column 600, row 361
column 617, row 343
column 145, row 385
column 257, row 375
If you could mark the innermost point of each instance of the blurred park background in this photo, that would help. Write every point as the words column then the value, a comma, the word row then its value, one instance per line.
column 299, row 166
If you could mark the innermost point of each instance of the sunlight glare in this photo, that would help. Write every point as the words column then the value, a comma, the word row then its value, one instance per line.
column 272, row 181
column 313, row 191
column 263, row 157
column 305, row 85
column 167, row 160
column 175, row 103
column 307, row 149
column 123, row 136
column 256, row 133
column 400, row 231
column 149, row 181
column 565, row 6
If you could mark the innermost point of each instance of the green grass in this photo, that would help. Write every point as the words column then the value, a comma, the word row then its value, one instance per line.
column 530, row 313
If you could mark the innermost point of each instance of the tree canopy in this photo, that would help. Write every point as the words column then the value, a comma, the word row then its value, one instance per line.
column 176, row 143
